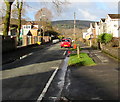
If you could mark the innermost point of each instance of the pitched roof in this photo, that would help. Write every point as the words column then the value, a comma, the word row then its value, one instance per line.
column 103, row 19
column 28, row 23
column 33, row 23
column 34, row 28
column 97, row 23
column 114, row 16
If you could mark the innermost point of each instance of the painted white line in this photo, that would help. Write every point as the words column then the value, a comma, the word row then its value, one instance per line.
column 47, row 85
column 64, row 53
column 25, row 55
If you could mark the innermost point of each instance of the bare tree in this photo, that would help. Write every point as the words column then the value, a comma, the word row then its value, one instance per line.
column 7, row 16
column 59, row 5
column 43, row 14
column 2, row 10
column 14, row 12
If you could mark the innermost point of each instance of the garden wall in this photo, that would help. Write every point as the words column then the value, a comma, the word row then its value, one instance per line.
column 113, row 51
column 8, row 44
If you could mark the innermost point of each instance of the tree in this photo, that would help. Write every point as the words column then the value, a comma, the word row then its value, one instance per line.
column 43, row 14
column 2, row 10
column 104, row 38
column 7, row 16
column 14, row 12
column 19, row 7
column 59, row 5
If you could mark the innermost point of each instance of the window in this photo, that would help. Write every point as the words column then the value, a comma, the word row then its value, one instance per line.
column 115, row 25
column 24, row 27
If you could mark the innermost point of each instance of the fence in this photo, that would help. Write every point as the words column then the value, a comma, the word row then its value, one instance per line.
column 9, row 44
column 28, row 40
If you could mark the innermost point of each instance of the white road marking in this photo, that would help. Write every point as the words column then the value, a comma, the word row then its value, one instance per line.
column 47, row 85
column 25, row 55
column 64, row 53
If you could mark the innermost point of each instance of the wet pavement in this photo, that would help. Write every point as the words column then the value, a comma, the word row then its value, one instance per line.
column 99, row 82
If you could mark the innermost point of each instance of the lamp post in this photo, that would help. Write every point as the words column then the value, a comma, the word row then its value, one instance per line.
column 74, row 26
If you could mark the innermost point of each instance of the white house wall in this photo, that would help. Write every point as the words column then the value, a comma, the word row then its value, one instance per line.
column 102, row 27
column 25, row 31
column 35, row 26
column 84, row 34
column 115, row 30
column 112, row 26
column 97, row 29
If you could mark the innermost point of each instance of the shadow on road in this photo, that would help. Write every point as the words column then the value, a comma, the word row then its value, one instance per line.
column 41, row 56
column 91, row 83
column 24, row 88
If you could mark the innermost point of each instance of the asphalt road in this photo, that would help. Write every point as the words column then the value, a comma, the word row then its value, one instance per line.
column 25, row 78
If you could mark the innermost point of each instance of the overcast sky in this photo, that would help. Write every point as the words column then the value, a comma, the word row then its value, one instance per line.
column 85, row 9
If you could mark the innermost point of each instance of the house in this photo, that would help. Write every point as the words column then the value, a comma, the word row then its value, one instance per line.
column 102, row 25
column 12, row 29
column 113, row 24
column 97, row 28
column 84, row 35
column 30, row 29
column 90, row 32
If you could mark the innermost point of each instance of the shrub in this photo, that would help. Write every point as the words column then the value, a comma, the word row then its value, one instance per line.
column 105, row 38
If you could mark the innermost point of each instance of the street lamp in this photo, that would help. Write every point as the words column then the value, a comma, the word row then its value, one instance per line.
column 74, row 26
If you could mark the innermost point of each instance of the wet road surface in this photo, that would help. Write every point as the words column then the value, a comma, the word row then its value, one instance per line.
column 25, row 78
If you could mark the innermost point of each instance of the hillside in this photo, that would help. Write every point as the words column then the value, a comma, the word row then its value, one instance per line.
column 13, row 21
column 68, row 24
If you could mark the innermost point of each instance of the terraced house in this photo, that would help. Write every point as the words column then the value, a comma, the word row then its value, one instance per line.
column 110, row 25
column 113, row 24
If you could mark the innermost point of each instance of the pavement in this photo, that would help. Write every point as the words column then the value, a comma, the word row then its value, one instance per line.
column 99, row 82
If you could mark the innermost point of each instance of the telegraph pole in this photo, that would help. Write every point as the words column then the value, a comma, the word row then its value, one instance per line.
column 74, row 26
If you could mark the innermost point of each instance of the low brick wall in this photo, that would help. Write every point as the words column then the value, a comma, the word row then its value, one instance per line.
column 115, row 52
column 8, row 44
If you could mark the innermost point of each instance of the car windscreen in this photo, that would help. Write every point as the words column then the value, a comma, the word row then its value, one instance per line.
column 65, row 41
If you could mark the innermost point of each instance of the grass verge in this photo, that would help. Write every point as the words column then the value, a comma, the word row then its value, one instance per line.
column 84, row 60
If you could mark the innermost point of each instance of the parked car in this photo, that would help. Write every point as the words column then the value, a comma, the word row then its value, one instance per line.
column 55, row 41
column 69, row 39
column 65, row 43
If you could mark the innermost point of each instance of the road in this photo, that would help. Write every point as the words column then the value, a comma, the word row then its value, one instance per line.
column 25, row 78
column 43, row 75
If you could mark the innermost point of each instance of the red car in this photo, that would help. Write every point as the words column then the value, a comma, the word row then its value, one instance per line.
column 65, row 43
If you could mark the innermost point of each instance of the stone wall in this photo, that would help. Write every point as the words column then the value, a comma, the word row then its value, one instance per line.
column 113, row 51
